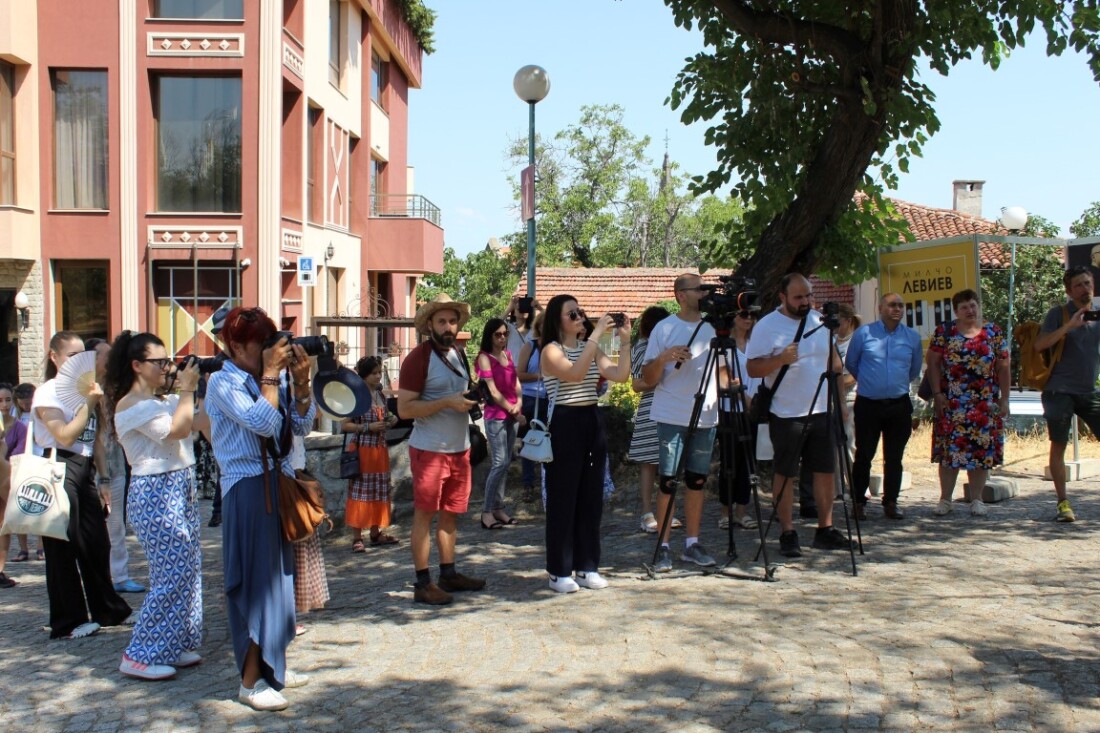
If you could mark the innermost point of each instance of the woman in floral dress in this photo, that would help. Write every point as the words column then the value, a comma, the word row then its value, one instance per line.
column 369, row 494
column 969, row 372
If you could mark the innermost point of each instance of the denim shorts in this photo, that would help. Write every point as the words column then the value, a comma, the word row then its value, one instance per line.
column 671, row 438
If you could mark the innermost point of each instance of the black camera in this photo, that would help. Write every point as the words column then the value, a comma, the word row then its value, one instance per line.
column 313, row 345
column 523, row 305
column 478, row 393
column 207, row 365
column 618, row 319
column 830, row 318
column 1091, row 316
column 732, row 294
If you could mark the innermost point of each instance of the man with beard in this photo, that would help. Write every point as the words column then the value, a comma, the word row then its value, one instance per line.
column 433, row 379
column 790, row 337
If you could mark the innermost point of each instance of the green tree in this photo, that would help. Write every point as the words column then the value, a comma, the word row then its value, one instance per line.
column 1088, row 225
column 813, row 101
column 482, row 279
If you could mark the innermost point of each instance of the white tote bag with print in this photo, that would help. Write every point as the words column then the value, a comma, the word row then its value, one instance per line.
column 37, row 502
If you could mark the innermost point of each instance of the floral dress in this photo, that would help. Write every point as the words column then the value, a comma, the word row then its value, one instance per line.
column 970, row 435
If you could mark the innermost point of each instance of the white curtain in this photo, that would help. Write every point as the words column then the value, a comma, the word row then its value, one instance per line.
column 80, row 139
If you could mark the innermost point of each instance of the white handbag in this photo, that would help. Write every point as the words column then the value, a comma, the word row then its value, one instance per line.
column 536, row 443
column 37, row 502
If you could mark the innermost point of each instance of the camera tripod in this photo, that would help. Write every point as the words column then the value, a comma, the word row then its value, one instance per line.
column 732, row 424
column 842, row 472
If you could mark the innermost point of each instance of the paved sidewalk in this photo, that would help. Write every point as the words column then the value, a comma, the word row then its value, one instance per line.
column 955, row 623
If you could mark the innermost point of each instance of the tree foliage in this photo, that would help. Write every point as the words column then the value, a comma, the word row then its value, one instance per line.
column 483, row 279
column 1088, row 225
column 813, row 101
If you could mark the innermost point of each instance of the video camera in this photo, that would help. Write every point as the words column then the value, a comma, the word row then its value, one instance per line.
column 732, row 294
column 829, row 318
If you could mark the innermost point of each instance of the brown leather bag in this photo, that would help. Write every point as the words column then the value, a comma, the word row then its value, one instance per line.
column 301, row 501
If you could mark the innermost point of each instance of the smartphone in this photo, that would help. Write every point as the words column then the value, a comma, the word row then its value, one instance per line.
column 618, row 318
column 524, row 304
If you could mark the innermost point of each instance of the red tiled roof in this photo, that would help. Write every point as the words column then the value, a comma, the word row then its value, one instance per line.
column 927, row 222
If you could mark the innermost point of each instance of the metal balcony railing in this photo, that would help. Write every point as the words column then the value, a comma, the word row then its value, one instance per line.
column 411, row 206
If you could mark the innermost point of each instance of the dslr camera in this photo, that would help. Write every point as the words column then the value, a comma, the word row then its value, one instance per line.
column 312, row 345
column 830, row 317
column 730, row 296
column 207, row 365
column 478, row 393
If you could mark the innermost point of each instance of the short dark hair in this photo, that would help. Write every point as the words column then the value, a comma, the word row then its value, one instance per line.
column 964, row 296
column 651, row 316
column 366, row 366
column 1073, row 272
column 24, row 391
column 785, row 281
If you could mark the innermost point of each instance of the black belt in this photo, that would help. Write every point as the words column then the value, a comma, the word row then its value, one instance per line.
column 887, row 400
column 62, row 453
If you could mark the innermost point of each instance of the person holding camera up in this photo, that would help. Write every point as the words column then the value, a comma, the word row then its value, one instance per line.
column 674, row 362
column 519, row 319
column 1071, row 389
column 433, row 388
column 792, row 335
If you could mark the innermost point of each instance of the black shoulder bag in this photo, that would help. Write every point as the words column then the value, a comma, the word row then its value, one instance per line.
column 760, row 411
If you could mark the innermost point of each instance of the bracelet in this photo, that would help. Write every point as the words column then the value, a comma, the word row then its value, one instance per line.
column 273, row 381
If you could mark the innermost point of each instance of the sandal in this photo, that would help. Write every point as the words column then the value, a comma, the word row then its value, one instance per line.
column 358, row 546
column 23, row 556
column 384, row 539
column 494, row 523
column 504, row 521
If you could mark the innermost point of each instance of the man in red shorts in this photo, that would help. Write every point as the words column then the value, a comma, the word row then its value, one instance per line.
column 434, row 377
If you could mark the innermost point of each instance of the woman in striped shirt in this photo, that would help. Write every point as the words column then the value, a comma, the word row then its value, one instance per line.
column 571, row 367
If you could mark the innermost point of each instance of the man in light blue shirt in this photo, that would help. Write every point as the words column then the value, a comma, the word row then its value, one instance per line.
column 884, row 357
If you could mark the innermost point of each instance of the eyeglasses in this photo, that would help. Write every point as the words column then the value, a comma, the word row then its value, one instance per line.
column 576, row 315
column 500, row 335
column 747, row 314
column 160, row 363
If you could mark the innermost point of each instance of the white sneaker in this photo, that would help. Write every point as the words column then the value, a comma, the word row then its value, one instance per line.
column 564, row 584
column 262, row 697
column 746, row 521
column 130, row 668
column 724, row 523
column 294, row 679
column 592, row 580
column 86, row 629
column 943, row 508
column 648, row 523
column 978, row 508
column 187, row 659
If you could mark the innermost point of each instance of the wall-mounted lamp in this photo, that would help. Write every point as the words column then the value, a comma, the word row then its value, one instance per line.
column 330, row 252
column 246, row 262
column 284, row 263
column 23, row 305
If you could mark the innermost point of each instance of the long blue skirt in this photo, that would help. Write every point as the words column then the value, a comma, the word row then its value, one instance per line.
column 259, row 576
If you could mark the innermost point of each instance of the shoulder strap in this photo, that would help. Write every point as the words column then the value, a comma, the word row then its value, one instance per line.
column 1056, row 352
column 783, row 372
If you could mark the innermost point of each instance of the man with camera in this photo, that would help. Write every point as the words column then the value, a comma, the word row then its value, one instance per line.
column 794, row 336
column 674, row 362
column 433, row 390
column 884, row 357
column 1071, row 389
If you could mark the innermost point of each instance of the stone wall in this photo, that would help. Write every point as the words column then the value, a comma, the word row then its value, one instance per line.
column 20, row 275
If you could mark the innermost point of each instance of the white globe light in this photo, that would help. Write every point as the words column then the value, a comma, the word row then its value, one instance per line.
column 531, row 83
column 21, row 300
column 1014, row 218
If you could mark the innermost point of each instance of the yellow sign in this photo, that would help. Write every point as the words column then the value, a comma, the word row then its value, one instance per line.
column 926, row 276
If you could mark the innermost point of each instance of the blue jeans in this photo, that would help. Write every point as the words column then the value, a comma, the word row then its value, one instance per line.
column 501, row 436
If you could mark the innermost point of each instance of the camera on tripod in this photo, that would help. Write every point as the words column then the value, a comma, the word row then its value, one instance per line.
column 732, row 294
column 830, row 317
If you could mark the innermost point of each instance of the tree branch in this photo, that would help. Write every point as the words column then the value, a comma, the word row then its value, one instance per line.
column 787, row 30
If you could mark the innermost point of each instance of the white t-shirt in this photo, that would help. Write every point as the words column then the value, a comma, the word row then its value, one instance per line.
column 774, row 333
column 143, row 430
column 674, row 396
column 46, row 396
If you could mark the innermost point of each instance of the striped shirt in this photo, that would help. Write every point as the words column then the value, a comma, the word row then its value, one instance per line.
column 239, row 417
column 574, row 393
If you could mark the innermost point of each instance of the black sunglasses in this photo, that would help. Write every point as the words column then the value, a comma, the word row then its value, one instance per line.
column 576, row 315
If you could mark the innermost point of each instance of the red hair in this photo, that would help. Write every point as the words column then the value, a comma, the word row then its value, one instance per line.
column 246, row 325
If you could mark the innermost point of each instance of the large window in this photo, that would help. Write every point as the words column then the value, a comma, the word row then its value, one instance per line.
column 335, row 41
column 7, row 133
column 188, row 295
column 79, row 139
column 378, row 70
column 198, row 143
column 81, row 298
column 205, row 9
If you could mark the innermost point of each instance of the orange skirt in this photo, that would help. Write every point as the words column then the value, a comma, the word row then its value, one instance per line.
column 367, row 514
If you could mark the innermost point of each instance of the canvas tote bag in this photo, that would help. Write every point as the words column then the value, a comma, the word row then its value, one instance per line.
column 37, row 502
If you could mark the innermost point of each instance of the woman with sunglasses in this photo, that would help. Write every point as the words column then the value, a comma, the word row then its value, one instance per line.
column 497, row 371
column 79, row 567
column 572, row 367
column 248, row 409
column 155, row 434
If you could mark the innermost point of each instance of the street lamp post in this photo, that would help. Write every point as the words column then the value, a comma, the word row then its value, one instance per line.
column 1013, row 218
column 532, row 84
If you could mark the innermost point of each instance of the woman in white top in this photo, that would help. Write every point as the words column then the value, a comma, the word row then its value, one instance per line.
column 738, row 453
column 80, row 567
column 571, row 367
column 155, row 433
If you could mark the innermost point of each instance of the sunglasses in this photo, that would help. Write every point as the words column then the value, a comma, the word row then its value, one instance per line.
column 500, row 335
column 250, row 315
column 576, row 315
column 747, row 314
column 161, row 363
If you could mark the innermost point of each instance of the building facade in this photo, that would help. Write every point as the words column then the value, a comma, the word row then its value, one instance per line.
column 162, row 159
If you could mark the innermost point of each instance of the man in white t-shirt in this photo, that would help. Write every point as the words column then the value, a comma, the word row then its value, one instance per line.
column 673, row 401
column 799, row 426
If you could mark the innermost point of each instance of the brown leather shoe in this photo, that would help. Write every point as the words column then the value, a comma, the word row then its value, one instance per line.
column 860, row 511
column 890, row 509
column 459, row 582
column 431, row 594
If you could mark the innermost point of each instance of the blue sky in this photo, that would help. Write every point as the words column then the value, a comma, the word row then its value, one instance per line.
column 1028, row 129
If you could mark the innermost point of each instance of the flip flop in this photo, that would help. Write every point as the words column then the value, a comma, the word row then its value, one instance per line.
column 384, row 539
column 495, row 525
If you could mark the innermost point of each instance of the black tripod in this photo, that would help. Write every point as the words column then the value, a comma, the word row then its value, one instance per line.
column 733, row 423
column 842, row 474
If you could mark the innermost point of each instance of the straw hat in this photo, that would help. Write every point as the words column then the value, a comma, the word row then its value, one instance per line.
column 440, row 302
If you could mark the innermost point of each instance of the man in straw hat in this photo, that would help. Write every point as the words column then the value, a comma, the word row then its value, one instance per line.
column 432, row 384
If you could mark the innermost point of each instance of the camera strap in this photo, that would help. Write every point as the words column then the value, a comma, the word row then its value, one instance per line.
column 447, row 362
column 783, row 372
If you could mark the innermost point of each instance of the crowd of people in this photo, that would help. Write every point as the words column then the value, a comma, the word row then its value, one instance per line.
column 150, row 434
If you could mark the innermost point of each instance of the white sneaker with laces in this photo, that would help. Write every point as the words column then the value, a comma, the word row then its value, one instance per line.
column 130, row 668
column 564, row 584
column 187, row 659
column 978, row 508
column 262, row 697
column 295, row 679
column 943, row 508
column 591, row 580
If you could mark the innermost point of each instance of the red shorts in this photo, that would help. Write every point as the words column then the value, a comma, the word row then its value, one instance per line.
column 441, row 481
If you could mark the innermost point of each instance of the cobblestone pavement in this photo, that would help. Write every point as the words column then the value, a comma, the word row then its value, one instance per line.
column 956, row 623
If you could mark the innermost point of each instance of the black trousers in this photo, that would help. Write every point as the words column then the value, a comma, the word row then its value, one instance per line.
column 81, row 567
column 736, row 447
column 574, row 490
column 893, row 420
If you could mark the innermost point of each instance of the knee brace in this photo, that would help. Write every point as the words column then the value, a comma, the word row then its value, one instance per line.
column 667, row 485
column 695, row 481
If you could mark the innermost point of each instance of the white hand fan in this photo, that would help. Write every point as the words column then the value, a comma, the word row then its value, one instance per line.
column 75, row 379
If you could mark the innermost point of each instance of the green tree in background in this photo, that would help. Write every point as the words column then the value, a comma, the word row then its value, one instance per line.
column 1088, row 225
